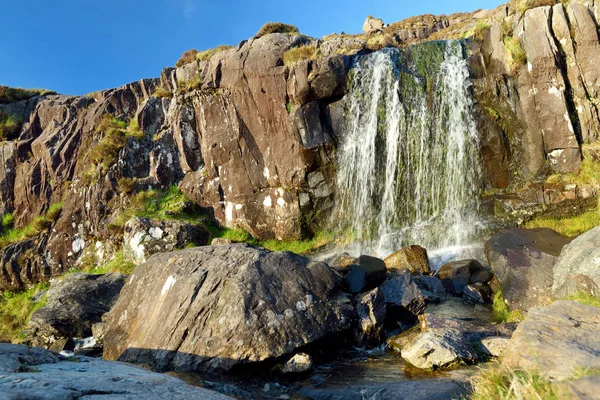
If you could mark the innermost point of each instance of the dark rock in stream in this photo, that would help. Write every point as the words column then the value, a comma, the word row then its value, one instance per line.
column 458, row 274
column 369, row 273
column 371, row 310
column 404, row 299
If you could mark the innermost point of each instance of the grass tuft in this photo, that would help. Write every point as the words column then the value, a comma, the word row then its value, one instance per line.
column 187, row 57
column 15, row 311
column 501, row 311
column 38, row 225
column 161, row 92
column 300, row 53
column 9, row 95
column 585, row 299
column 9, row 126
column 515, row 55
column 477, row 32
column 568, row 226
column 276, row 27
column 206, row 55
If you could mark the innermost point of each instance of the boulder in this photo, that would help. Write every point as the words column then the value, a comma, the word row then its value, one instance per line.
column 220, row 241
column 412, row 258
column 403, row 298
column 371, row 310
column 342, row 262
column 369, row 273
column 74, row 304
column 211, row 308
column 300, row 363
column 431, row 287
column 458, row 274
column 32, row 373
column 477, row 293
column 443, row 342
column 556, row 340
column 495, row 346
column 144, row 237
column 372, row 25
column 523, row 262
column 578, row 267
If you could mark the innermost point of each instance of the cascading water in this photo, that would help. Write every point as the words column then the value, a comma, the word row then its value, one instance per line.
column 408, row 161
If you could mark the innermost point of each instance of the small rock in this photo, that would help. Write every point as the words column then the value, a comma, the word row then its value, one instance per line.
column 412, row 258
column 456, row 275
column 372, row 25
column 301, row 362
column 369, row 273
column 371, row 310
column 98, row 330
column 477, row 293
column 343, row 261
column 220, row 242
column 439, row 349
column 495, row 346
column 431, row 284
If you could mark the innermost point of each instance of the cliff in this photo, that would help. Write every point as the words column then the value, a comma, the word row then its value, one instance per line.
column 250, row 133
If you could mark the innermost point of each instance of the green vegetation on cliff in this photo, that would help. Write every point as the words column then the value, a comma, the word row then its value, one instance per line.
column 12, row 235
column 568, row 226
column 9, row 95
column 16, row 309
column 9, row 126
column 276, row 27
column 501, row 311
column 301, row 53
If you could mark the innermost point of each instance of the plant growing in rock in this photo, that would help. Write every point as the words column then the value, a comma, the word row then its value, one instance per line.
column 161, row 92
column 300, row 53
column 9, row 126
column 187, row 86
column 206, row 55
column 276, row 27
column 187, row 57
column 9, row 95
column 515, row 55
column 16, row 309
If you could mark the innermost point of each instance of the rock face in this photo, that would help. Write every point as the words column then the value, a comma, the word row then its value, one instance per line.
column 556, row 340
column 144, row 237
column 457, row 275
column 74, row 304
column 578, row 267
column 215, row 307
column 27, row 372
column 413, row 258
column 523, row 263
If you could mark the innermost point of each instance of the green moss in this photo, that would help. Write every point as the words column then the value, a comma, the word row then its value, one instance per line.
column 7, row 221
column 16, row 309
column 501, row 311
column 585, row 299
column 568, row 226
column 300, row 246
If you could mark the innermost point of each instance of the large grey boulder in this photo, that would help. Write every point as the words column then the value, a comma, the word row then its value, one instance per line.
column 215, row 307
column 144, row 237
column 74, row 304
column 578, row 267
column 523, row 263
column 30, row 373
column 372, row 25
column 556, row 340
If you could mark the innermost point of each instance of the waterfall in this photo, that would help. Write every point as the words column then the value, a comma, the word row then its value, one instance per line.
column 408, row 159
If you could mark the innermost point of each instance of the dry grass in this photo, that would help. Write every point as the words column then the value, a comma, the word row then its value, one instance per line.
column 9, row 95
column 496, row 382
column 521, row 6
column 208, row 54
column 514, row 53
column 187, row 86
column 477, row 32
column 276, row 27
column 301, row 53
column 187, row 57
column 379, row 41
column 163, row 93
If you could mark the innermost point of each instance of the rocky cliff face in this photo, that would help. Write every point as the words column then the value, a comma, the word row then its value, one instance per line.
column 253, row 139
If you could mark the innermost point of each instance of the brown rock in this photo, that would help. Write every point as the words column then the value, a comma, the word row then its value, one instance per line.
column 413, row 258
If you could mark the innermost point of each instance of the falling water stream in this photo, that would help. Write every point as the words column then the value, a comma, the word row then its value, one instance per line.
column 408, row 160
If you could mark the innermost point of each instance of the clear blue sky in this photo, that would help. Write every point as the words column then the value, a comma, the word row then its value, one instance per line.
column 80, row 46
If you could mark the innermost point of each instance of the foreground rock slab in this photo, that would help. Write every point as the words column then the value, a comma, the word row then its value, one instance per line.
column 74, row 304
column 215, row 307
column 556, row 340
column 523, row 262
column 30, row 373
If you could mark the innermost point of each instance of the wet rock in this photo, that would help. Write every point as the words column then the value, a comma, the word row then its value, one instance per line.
column 412, row 258
column 444, row 342
column 578, row 267
column 495, row 346
column 403, row 298
column 369, row 273
column 211, row 308
column 74, row 304
column 342, row 262
column 556, row 340
column 523, row 263
column 28, row 372
column 477, row 293
column 371, row 310
column 458, row 274
column 144, row 237
column 300, row 363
